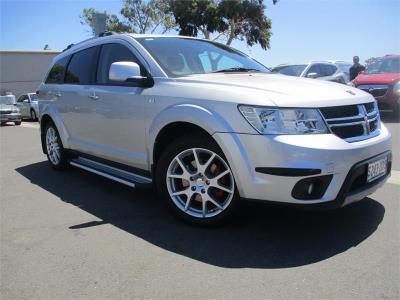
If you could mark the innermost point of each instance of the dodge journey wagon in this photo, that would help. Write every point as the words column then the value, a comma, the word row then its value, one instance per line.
column 209, row 126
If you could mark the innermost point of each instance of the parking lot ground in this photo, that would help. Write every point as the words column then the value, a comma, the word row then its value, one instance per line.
column 69, row 235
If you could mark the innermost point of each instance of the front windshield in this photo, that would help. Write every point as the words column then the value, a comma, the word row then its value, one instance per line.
column 291, row 70
column 184, row 56
column 8, row 100
column 385, row 65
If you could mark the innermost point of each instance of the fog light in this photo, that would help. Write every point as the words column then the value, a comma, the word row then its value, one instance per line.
column 311, row 188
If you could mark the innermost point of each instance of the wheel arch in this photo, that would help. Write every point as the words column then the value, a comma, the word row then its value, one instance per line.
column 181, row 119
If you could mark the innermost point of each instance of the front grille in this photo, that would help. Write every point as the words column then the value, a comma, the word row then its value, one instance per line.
column 375, row 90
column 5, row 112
column 353, row 122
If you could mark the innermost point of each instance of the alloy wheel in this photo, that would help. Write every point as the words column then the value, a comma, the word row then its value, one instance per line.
column 53, row 146
column 200, row 182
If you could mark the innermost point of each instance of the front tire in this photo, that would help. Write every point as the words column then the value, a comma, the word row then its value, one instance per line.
column 196, row 182
column 54, row 148
column 17, row 123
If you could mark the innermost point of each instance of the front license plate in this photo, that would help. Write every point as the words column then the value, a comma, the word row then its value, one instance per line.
column 377, row 169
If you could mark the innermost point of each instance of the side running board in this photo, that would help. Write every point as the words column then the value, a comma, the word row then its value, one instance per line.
column 121, row 176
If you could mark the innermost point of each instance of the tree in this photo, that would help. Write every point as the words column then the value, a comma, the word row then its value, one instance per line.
column 229, row 19
column 148, row 16
column 140, row 16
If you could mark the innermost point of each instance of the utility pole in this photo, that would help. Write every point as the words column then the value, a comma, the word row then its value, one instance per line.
column 99, row 23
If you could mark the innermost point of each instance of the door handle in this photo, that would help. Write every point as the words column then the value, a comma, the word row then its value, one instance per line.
column 93, row 96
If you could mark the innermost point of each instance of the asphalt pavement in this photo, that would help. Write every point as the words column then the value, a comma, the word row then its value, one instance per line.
column 75, row 235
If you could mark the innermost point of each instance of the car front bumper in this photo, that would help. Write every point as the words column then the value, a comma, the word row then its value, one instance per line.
column 285, row 158
column 10, row 117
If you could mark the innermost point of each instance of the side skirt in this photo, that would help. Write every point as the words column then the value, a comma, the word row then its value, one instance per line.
column 111, row 172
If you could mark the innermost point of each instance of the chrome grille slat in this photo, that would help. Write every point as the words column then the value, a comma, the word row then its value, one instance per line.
column 359, row 123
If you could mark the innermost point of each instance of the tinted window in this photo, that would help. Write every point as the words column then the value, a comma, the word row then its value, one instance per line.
column 315, row 69
column 109, row 54
column 56, row 73
column 22, row 98
column 328, row 70
column 82, row 67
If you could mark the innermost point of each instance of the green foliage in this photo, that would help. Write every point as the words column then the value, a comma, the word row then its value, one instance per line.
column 229, row 19
column 140, row 16
column 147, row 16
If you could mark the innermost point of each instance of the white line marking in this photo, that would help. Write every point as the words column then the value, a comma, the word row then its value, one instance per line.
column 30, row 125
column 394, row 177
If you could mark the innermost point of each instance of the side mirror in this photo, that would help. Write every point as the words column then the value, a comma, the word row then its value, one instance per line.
column 312, row 75
column 127, row 71
column 362, row 72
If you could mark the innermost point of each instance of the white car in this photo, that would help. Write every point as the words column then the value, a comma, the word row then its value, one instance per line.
column 28, row 106
column 209, row 126
column 323, row 70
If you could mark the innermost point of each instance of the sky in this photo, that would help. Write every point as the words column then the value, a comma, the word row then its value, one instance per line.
column 303, row 30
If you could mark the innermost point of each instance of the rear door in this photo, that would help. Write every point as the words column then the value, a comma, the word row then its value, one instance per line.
column 117, row 111
column 75, row 105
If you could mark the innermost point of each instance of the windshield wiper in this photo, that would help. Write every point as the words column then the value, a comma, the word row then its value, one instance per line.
column 236, row 69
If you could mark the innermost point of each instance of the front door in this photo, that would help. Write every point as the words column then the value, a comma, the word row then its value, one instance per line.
column 117, row 112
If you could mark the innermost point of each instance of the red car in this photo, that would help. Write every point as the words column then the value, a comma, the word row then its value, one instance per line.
column 382, row 80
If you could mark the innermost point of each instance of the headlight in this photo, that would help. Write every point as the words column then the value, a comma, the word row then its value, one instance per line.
column 283, row 120
column 396, row 88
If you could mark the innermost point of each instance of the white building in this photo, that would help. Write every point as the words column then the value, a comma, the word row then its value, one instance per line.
column 21, row 71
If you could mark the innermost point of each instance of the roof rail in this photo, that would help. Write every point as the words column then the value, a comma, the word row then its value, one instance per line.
column 106, row 33
column 68, row 47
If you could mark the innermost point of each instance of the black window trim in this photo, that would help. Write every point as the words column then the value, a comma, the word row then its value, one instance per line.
column 126, row 84
column 100, row 47
column 91, row 82
column 63, row 75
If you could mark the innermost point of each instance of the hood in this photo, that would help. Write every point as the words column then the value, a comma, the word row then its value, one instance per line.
column 280, row 90
column 384, row 78
column 8, row 107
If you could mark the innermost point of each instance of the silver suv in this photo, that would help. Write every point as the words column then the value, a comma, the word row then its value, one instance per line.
column 209, row 126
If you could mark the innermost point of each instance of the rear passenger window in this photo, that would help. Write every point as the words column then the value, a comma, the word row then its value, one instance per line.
column 56, row 73
column 109, row 54
column 82, row 67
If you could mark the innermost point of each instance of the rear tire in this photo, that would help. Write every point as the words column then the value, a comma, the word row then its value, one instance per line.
column 17, row 123
column 33, row 115
column 54, row 148
column 194, row 180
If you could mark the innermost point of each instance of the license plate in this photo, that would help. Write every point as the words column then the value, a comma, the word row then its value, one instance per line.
column 377, row 169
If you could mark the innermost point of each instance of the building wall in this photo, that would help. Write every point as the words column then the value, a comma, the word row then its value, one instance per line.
column 22, row 71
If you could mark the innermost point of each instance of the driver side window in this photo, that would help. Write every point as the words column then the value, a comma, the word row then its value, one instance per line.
column 22, row 98
column 315, row 69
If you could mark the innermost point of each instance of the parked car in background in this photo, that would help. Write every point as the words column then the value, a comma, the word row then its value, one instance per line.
column 8, row 111
column 344, row 66
column 323, row 70
column 28, row 105
column 143, row 109
column 382, row 80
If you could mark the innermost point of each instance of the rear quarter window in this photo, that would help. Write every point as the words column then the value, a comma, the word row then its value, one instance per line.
column 56, row 74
